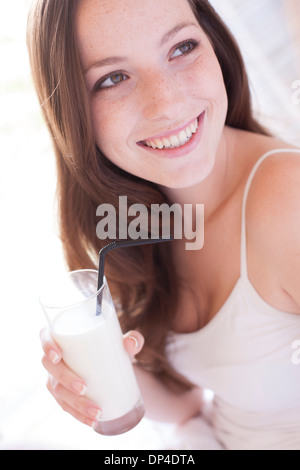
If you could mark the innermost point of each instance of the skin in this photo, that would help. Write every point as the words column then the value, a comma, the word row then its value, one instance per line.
column 162, row 88
column 158, row 88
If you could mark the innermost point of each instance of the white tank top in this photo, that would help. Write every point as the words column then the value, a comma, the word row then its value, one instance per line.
column 245, row 356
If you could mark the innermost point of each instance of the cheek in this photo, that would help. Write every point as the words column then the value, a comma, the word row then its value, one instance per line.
column 205, row 80
column 111, row 125
column 107, row 124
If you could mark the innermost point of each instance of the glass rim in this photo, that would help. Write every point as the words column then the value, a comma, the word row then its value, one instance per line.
column 76, row 304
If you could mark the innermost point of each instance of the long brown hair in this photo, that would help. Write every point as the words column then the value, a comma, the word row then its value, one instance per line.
column 143, row 280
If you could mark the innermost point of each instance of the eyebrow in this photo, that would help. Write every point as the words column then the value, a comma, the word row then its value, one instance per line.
column 119, row 59
column 103, row 62
column 168, row 36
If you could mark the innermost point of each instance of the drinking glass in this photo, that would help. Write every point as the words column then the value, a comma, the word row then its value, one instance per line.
column 84, row 324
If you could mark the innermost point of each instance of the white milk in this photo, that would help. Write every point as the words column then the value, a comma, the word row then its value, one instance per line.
column 93, row 348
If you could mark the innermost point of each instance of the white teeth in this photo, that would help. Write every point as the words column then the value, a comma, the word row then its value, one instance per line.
column 167, row 143
column 189, row 132
column 175, row 140
column 159, row 144
column 193, row 128
column 183, row 137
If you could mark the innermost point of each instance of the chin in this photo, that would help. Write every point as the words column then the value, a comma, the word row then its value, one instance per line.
column 192, row 178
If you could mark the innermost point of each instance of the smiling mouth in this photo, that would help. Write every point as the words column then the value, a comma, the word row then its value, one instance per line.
column 175, row 140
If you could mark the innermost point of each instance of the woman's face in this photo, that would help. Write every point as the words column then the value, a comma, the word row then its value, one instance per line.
column 156, row 89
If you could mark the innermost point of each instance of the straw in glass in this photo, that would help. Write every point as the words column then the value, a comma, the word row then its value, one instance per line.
column 120, row 244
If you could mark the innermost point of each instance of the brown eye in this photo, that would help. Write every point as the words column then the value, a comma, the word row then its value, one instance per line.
column 118, row 78
column 184, row 48
column 110, row 81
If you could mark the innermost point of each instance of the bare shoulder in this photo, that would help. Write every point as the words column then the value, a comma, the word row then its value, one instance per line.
column 274, row 194
column 273, row 214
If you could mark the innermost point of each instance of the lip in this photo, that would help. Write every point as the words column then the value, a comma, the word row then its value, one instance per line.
column 171, row 132
column 184, row 149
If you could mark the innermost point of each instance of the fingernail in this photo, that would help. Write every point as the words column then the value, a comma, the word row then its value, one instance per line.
column 54, row 357
column 132, row 338
column 79, row 387
column 94, row 413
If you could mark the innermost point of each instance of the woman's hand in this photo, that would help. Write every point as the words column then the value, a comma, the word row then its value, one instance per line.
column 66, row 387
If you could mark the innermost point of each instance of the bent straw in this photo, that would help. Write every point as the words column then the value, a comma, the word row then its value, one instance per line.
column 120, row 244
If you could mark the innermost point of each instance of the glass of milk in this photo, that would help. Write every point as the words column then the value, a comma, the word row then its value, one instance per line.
column 84, row 324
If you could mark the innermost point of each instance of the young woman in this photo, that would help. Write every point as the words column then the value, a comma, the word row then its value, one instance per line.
column 150, row 100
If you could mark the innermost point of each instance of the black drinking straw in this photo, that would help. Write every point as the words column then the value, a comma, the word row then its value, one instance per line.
column 120, row 244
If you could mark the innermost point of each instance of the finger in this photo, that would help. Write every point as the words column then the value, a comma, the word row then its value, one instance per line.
column 80, row 408
column 83, row 419
column 64, row 376
column 133, row 342
column 50, row 348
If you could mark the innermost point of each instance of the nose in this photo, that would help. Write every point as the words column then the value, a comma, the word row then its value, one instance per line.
column 161, row 96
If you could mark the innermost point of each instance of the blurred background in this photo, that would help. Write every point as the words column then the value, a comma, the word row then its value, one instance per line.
column 269, row 35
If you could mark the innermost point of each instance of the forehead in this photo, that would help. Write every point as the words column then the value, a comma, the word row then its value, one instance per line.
column 106, row 24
